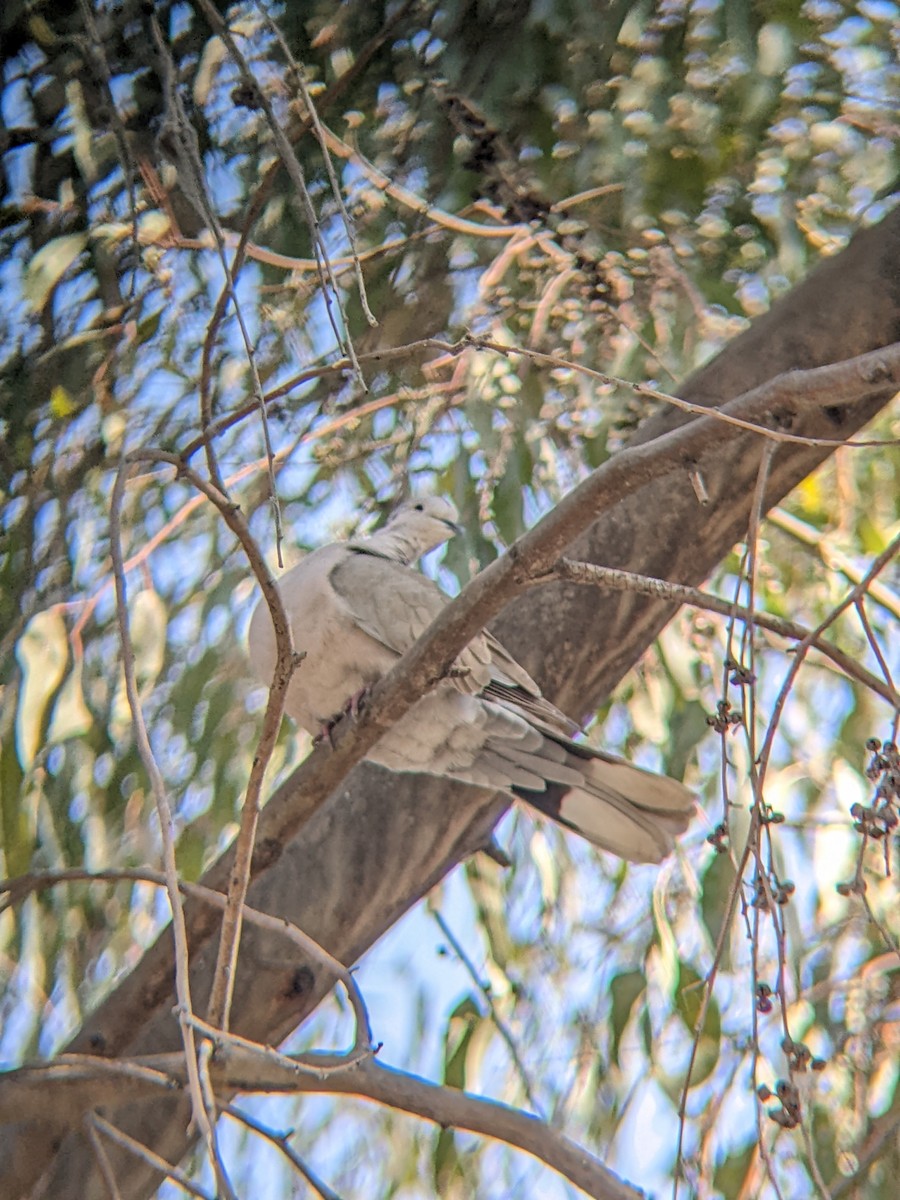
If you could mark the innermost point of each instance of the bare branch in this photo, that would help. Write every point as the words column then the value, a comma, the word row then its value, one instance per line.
column 627, row 581
column 281, row 1141
column 223, row 981
column 163, row 807
column 833, row 558
column 155, row 1160
column 103, row 1163
column 242, row 1066
column 14, row 891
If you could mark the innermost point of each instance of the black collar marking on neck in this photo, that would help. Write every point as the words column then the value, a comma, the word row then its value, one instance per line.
column 371, row 553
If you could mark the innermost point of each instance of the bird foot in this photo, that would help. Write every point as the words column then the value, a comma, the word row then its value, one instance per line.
column 324, row 734
column 357, row 702
column 353, row 707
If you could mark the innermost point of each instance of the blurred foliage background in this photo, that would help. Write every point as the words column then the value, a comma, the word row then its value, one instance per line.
column 621, row 186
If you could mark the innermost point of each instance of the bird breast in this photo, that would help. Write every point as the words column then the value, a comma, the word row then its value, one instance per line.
column 338, row 655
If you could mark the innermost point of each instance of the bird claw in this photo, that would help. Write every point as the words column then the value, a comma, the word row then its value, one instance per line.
column 353, row 707
column 324, row 734
column 357, row 702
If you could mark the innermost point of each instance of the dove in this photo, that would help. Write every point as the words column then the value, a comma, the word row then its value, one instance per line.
column 356, row 607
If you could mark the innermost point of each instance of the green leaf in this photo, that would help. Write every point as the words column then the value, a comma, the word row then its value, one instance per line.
column 191, row 852
column 691, row 992
column 460, row 1029
column 148, row 623
column 625, row 991
column 461, row 1041
column 71, row 715
column 506, row 502
column 687, row 728
column 730, row 1178
column 486, row 882
column 49, row 265
column 148, row 634
column 42, row 651
column 716, row 899
column 16, row 841
column 215, row 53
column 452, row 1177
column 873, row 539
column 149, row 327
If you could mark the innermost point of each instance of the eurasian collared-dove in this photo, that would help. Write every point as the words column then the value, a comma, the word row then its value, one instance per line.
column 355, row 607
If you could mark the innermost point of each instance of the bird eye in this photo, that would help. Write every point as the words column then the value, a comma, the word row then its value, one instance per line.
column 419, row 507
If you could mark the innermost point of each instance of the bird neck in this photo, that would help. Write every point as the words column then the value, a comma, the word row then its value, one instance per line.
column 393, row 544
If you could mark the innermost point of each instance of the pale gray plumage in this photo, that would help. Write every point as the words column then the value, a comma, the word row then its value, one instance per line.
column 356, row 607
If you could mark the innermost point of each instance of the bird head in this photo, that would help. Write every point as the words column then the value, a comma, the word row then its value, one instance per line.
column 416, row 527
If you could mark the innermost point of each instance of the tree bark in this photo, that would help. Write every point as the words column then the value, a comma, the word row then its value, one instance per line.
column 382, row 841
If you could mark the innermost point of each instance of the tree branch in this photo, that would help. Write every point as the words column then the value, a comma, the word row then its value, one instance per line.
column 163, row 808
column 240, row 1066
column 14, row 891
column 627, row 581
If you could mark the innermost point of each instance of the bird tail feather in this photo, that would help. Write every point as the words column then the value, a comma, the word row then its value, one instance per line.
column 615, row 805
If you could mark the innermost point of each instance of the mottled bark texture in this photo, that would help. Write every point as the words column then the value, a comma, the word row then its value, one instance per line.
column 381, row 842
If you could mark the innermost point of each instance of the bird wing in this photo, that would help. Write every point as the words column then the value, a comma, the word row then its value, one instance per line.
column 394, row 605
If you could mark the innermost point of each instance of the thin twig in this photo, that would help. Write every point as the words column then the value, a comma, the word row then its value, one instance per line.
column 760, row 828
column 859, row 605
column 292, row 165
column 99, row 1150
column 224, row 1189
column 139, row 1150
column 318, row 1065
column 615, row 580
column 281, row 1141
column 833, row 558
column 485, row 991
column 878, row 565
column 300, row 79
column 835, row 383
column 193, row 180
column 409, row 199
column 163, row 808
column 14, row 891
column 607, row 189
column 763, row 397
column 226, row 963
